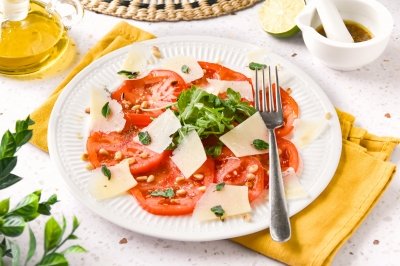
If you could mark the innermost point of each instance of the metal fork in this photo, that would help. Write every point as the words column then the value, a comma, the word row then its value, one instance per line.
column 270, row 108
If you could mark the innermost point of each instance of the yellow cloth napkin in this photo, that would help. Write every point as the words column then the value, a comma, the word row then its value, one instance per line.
column 323, row 227
column 121, row 35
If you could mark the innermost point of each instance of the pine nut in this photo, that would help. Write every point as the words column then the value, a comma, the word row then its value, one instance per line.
column 250, row 177
column 135, row 107
column 103, row 151
column 144, row 155
column 180, row 192
column 144, row 105
column 247, row 217
column 87, row 110
column 252, row 168
column 202, row 188
column 179, row 179
column 156, row 52
column 249, row 184
column 174, row 200
column 85, row 157
column 150, row 178
column 131, row 161
column 141, row 178
column 198, row 176
column 89, row 166
column 235, row 172
column 118, row 156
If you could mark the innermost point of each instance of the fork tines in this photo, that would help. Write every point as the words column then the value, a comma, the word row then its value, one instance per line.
column 267, row 104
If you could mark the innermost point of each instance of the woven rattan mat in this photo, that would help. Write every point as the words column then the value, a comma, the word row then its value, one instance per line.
column 166, row 10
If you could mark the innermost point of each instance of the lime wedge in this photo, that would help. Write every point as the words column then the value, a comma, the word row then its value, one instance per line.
column 277, row 16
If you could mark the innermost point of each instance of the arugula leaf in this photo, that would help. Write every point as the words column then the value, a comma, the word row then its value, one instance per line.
column 168, row 193
column 218, row 211
column 128, row 74
column 144, row 138
column 105, row 110
column 215, row 150
column 106, row 171
column 260, row 145
column 219, row 186
column 257, row 66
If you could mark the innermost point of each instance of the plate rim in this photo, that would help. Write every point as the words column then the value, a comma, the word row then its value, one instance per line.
column 68, row 89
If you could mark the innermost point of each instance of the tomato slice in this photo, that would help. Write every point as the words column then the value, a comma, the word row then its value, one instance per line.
column 290, row 113
column 143, row 158
column 165, row 178
column 240, row 171
column 153, row 92
column 289, row 156
column 217, row 71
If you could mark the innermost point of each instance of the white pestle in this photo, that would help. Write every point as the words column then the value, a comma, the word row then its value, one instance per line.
column 332, row 21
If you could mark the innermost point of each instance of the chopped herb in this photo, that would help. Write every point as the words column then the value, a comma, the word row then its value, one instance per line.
column 168, row 193
column 218, row 211
column 257, row 66
column 128, row 74
column 214, row 151
column 185, row 69
column 219, row 186
column 106, row 172
column 106, row 111
column 260, row 145
column 144, row 138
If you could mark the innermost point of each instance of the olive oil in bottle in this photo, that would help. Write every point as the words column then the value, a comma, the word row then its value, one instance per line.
column 32, row 43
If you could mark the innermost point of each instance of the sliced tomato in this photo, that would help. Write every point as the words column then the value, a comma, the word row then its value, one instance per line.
column 240, row 171
column 165, row 178
column 217, row 71
column 290, row 113
column 289, row 156
column 144, row 159
column 158, row 89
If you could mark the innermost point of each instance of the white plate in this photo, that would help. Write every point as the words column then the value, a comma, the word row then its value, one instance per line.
column 68, row 126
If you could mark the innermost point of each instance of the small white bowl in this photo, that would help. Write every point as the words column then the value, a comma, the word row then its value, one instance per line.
column 348, row 56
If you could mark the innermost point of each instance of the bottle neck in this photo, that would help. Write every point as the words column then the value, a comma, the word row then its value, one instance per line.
column 13, row 10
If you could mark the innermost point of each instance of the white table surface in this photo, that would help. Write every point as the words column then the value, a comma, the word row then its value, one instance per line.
column 369, row 93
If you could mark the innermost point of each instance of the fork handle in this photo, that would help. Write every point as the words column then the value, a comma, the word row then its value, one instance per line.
column 280, row 224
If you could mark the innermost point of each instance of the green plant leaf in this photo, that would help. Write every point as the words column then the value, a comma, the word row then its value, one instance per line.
column 22, row 137
column 8, row 146
column 9, row 180
column 15, row 253
column 54, row 259
column 7, row 164
column 75, row 223
column 13, row 226
column 72, row 237
column 52, row 234
column 52, row 200
column 75, row 249
column 27, row 207
column 32, row 246
column 4, row 206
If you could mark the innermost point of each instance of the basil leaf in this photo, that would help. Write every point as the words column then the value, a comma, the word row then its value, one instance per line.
column 52, row 234
column 54, row 259
column 7, row 165
column 185, row 69
column 106, row 171
column 9, row 180
column 105, row 110
column 144, row 138
column 74, row 249
column 257, row 66
column 168, row 193
column 219, row 186
column 32, row 246
column 128, row 74
column 27, row 207
column 218, row 211
column 260, row 145
column 13, row 226
column 4, row 206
